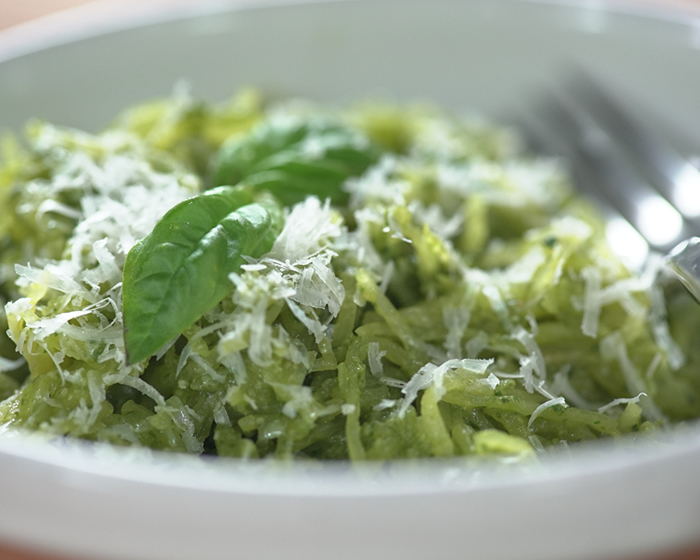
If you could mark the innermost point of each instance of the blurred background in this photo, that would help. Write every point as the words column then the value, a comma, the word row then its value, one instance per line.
column 13, row 12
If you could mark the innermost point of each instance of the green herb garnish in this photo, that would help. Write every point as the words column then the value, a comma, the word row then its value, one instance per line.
column 181, row 270
column 293, row 159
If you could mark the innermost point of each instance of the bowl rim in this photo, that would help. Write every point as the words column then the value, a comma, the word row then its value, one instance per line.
column 101, row 17
column 343, row 479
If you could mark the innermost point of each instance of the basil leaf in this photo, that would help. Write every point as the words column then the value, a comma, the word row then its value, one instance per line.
column 294, row 159
column 181, row 270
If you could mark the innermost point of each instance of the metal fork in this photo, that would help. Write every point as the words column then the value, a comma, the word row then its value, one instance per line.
column 648, row 189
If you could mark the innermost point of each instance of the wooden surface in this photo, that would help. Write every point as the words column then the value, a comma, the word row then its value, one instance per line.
column 13, row 12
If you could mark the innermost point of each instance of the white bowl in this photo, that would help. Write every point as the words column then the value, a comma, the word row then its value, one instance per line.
column 81, row 67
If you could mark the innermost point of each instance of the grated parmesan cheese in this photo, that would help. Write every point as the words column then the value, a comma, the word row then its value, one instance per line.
column 616, row 402
column 613, row 347
column 592, row 303
column 432, row 375
column 532, row 365
column 374, row 359
column 557, row 401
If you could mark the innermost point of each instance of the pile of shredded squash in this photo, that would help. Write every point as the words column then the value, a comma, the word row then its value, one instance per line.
column 452, row 297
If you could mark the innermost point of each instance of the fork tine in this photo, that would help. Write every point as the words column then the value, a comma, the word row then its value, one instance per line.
column 625, row 241
column 674, row 175
column 577, row 129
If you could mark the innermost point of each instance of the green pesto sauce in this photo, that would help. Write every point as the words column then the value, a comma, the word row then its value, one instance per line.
column 453, row 297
